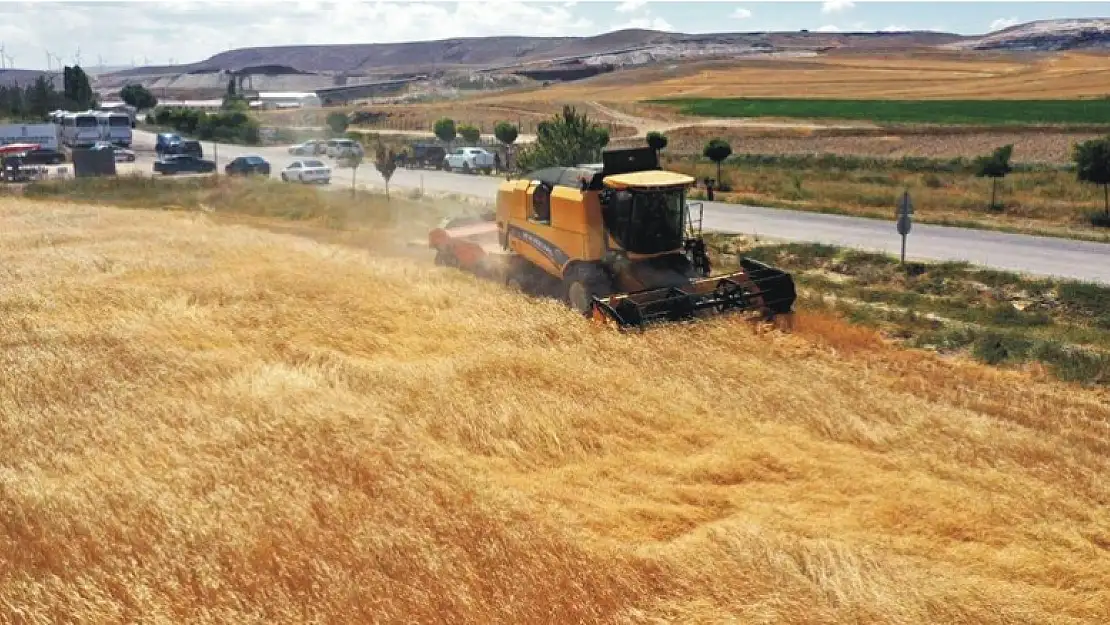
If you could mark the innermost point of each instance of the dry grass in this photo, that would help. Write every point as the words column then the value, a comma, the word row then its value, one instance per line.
column 858, row 76
column 422, row 117
column 1041, row 202
column 208, row 423
column 1045, row 146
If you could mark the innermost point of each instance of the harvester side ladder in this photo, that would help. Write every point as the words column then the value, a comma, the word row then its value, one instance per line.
column 693, row 226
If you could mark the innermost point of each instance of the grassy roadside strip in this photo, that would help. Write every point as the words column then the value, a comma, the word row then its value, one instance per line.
column 996, row 317
column 954, row 112
column 1036, row 199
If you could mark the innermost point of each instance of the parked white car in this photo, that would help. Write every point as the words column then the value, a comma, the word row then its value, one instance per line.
column 467, row 160
column 120, row 154
column 342, row 146
column 306, row 171
column 312, row 147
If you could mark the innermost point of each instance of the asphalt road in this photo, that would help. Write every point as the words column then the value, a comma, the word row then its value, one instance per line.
column 1046, row 256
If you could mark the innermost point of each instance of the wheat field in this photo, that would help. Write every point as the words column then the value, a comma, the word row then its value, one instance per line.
column 895, row 76
column 214, row 423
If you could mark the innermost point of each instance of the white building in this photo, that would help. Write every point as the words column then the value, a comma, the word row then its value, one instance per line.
column 286, row 99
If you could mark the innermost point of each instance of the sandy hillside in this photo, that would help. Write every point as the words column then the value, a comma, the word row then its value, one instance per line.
column 207, row 423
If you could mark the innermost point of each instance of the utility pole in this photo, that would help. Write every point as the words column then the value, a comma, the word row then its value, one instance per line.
column 905, row 210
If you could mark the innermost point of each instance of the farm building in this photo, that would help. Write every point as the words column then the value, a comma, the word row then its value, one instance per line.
column 286, row 99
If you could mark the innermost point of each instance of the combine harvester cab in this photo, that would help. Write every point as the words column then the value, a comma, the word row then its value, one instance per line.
column 618, row 242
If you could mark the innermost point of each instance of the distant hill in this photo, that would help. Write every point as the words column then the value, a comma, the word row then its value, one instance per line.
column 312, row 67
column 1044, row 36
column 484, row 52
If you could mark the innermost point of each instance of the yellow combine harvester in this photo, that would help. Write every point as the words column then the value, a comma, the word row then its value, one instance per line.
column 616, row 241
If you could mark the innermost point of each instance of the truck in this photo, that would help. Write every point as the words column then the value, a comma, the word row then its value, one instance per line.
column 45, row 135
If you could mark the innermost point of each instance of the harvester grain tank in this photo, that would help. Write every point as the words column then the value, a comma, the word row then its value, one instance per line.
column 617, row 241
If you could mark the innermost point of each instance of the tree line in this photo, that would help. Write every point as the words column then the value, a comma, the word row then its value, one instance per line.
column 33, row 102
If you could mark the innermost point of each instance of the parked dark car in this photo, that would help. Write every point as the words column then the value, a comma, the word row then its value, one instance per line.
column 425, row 154
column 43, row 156
column 190, row 147
column 246, row 165
column 183, row 163
column 164, row 141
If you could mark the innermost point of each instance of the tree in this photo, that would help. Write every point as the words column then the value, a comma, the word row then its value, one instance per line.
column 1092, row 160
column 994, row 166
column 566, row 140
column 470, row 133
column 354, row 158
column 717, row 150
column 505, row 132
column 41, row 98
column 77, row 89
column 656, row 141
column 338, row 122
column 138, row 96
column 444, row 129
column 386, row 163
column 233, row 99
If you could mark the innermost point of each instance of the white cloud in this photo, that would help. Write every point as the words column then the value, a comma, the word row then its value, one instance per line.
column 1003, row 22
column 652, row 23
column 836, row 6
column 193, row 31
column 827, row 28
column 741, row 14
column 629, row 6
column 895, row 28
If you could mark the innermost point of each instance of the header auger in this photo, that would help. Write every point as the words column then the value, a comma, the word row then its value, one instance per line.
column 616, row 241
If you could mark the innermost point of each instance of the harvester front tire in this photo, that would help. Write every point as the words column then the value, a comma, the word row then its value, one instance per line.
column 582, row 285
column 446, row 259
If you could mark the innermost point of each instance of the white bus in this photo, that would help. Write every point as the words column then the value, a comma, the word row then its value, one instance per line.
column 80, row 130
column 115, row 128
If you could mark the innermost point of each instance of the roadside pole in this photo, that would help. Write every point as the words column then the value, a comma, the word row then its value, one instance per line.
column 905, row 210
column 216, row 156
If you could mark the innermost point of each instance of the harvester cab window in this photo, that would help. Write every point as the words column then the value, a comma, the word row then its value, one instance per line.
column 541, row 203
column 646, row 222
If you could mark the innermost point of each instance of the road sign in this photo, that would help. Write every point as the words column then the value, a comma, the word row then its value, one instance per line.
column 905, row 205
column 905, row 222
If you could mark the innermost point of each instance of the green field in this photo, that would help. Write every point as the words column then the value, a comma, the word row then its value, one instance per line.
column 986, row 112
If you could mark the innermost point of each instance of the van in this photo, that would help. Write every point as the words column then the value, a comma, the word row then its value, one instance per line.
column 341, row 146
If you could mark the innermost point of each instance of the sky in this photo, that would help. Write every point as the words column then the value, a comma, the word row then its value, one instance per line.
column 152, row 32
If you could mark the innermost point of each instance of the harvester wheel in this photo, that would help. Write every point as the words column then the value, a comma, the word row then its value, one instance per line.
column 582, row 285
column 446, row 259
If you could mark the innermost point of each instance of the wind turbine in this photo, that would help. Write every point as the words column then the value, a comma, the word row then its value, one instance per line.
column 77, row 56
column 2, row 65
column 11, row 61
column 99, row 63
